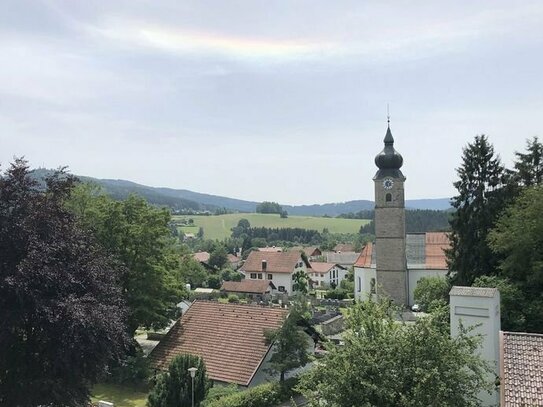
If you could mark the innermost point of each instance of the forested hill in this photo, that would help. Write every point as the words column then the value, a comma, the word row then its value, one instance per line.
column 182, row 199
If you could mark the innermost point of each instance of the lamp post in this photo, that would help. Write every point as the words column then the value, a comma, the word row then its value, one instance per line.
column 192, row 371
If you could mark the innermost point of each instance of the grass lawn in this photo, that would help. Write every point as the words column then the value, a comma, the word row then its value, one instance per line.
column 219, row 227
column 121, row 396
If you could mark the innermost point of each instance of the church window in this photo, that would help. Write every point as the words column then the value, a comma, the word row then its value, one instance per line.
column 372, row 286
column 359, row 284
column 388, row 197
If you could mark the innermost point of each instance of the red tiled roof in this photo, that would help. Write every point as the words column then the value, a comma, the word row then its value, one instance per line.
column 364, row 260
column 322, row 267
column 436, row 243
column 521, row 369
column 277, row 262
column 229, row 337
column 202, row 257
column 247, row 286
column 233, row 259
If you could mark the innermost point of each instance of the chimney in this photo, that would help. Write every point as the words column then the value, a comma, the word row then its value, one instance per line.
column 479, row 307
column 264, row 265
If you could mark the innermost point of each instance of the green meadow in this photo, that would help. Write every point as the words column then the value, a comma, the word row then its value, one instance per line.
column 219, row 226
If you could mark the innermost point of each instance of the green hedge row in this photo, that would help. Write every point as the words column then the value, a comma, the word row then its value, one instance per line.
column 264, row 395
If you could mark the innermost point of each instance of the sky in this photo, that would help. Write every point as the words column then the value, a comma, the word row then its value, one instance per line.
column 267, row 100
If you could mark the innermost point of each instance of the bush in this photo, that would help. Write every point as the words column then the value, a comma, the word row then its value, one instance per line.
column 336, row 294
column 431, row 290
column 264, row 395
column 217, row 392
column 233, row 298
column 134, row 370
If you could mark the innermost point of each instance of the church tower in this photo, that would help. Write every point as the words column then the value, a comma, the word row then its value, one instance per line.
column 391, row 263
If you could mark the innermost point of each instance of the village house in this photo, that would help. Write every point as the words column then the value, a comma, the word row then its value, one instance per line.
column 311, row 252
column 345, row 259
column 326, row 274
column 277, row 267
column 229, row 337
column 259, row 290
column 234, row 261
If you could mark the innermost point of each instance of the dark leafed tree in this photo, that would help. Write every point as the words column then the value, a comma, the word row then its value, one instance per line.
column 482, row 195
column 62, row 318
column 529, row 165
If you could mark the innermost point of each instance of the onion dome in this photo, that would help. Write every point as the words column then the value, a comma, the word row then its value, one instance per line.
column 389, row 158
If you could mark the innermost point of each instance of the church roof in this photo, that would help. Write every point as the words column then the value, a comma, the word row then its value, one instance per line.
column 389, row 159
column 423, row 251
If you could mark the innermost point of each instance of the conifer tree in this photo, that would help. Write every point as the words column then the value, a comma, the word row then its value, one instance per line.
column 529, row 166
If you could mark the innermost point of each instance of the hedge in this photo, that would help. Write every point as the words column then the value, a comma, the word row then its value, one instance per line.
column 264, row 395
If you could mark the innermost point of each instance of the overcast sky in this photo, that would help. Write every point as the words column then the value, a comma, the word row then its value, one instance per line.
column 267, row 100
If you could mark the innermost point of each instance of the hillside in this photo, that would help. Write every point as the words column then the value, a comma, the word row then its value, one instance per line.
column 219, row 227
column 182, row 199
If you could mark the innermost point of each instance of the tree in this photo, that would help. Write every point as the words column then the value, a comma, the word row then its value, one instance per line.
column 62, row 318
column 269, row 207
column 191, row 271
column 290, row 342
column 482, row 195
column 385, row 362
column 284, row 214
column 512, row 301
column 529, row 166
column 432, row 292
column 518, row 239
column 138, row 235
column 200, row 234
column 218, row 258
column 301, row 281
column 174, row 387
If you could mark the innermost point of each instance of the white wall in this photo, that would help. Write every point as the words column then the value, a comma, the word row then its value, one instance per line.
column 362, row 282
column 482, row 313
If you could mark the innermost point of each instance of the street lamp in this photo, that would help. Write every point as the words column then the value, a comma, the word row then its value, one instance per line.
column 192, row 371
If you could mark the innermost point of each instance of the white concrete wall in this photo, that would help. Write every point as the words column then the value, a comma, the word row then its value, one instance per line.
column 415, row 275
column 362, row 282
column 483, row 313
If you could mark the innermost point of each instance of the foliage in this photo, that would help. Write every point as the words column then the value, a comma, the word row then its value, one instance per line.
column 174, row 387
column 214, row 281
column 432, row 291
column 231, row 275
column 269, row 207
column 120, row 395
column 233, row 298
column 284, row 214
column 290, row 341
column 338, row 293
column 132, row 370
column 191, row 271
column 219, row 391
column 482, row 195
column 218, row 258
column 264, row 395
column 512, row 302
column 518, row 238
column 300, row 281
column 62, row 319
column 138, row 235
column 385, row 362
column 529, row 165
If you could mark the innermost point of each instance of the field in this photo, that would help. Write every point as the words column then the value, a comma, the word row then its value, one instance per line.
column 219, row 227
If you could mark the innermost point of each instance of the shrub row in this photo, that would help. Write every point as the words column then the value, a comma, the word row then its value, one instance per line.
column 264, row 395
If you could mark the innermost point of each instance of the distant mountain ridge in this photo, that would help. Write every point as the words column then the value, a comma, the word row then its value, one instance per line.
column 182, row 199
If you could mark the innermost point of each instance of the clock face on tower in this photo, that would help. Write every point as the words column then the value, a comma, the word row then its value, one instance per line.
column 388, row 183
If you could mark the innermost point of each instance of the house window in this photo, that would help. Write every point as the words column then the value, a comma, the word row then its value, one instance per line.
column 253, row 275
column 281, row 288
column 260, row 276
column 359, row 284
column 322, row 275
column 270, row 276
column 388, row 197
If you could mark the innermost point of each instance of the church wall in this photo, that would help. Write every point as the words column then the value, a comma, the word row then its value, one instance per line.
column 362, row 282
column 416, row 274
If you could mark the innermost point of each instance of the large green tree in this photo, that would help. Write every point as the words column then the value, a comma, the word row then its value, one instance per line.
column 62, row 317
column 518, row 239
column 482, row 194
column 529, row 165
column 174, row 387
column 385, row 362
column 139, row 235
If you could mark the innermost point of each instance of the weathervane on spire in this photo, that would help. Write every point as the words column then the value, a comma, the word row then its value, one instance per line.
column 388, row 115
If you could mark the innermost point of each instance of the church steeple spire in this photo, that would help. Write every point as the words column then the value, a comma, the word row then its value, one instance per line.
column 389, row 158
